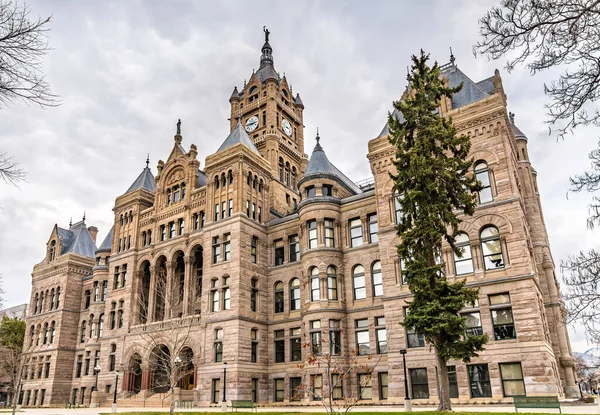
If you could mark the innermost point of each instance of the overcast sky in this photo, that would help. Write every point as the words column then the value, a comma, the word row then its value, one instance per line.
column 126, row 71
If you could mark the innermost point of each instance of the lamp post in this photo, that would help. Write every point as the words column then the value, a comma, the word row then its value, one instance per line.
column 114, row 404
column 224, row 403
column 407, row 403
column 97, row 372
column 175, row 389
column 94, row 397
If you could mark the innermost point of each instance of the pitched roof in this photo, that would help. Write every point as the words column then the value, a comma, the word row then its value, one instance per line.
column 106, row 245
column 201, row 179
column 471, row 91
column 320, row 166
column 238, row 135
column 144, row 181
column 77, row 240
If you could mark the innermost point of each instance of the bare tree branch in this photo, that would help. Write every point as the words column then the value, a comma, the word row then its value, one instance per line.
column 10, row 170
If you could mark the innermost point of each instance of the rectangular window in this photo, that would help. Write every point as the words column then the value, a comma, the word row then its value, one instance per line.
column 479, row 381
column 295, row 388
column 419, row 384
column 383, row 385
column 453, row 381
column 279, row 251
column 124, row 275
column 335, row 337
column 294, row 248
column 218, row 351
column 365, row 390
column 356, row 235
column 312, row 233
column 363, row 345
column 316, row 382
column 202, row 219
column 79, row 364
column 171, row 229
column 381, row 335
column 279, row 346
column 254, row 351
column 248, row 208
column 502, row 317
column 254, row 296
column 47, row 368
column 473, row 323
column 412, row 338
column 230, row 207
column 116, row 278
column 310, row 191
column 181, row 226
column 329, row 235
column 223, row 210
column 254, row 390
column 279, row 389
column 373, row 228
column 295, row 345
column 337, row 384
column 315, row 337
column 397, row 208
column 254, row 211
column 327, row 190
column 512, row 379
column 226, row 247
column 163, row 232
column 96, row 291
column 260, row 214
column 216, row 212
column 88, row 298
column 196, row 221
column 216, row 390
column 216, row 249
column 104, row 290
column 253, row 249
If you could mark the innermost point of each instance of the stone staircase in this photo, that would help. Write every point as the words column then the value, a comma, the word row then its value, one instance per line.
column 156, row 400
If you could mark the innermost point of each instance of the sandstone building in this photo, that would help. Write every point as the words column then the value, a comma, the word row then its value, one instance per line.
column 264, row 247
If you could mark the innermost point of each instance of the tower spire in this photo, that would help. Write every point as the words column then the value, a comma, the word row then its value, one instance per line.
column 267, row 51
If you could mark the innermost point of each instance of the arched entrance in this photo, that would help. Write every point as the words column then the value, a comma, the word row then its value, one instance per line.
column 187, row 376
column 144, row 293
column 134, row 380
column 197, row 273
column 160, row 361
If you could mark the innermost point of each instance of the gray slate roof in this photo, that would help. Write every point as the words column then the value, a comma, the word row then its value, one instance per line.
column 106, row 245
column 516, row 131
column 267, row 72
column 144, row 181
column 201, row 179
column 320, row 166
column 238, row 135
column 471, row 92
column 77, row 240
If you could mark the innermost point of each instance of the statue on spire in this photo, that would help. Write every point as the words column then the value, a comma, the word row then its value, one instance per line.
column 179, row 127
column 266, row 33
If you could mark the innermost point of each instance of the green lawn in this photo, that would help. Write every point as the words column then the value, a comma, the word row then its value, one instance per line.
column 321, row 413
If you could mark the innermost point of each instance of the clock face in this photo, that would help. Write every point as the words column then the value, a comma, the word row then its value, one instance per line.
column 251, row 123
column 287, row 127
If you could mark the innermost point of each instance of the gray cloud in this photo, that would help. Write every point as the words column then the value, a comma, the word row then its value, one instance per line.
column 127, row 71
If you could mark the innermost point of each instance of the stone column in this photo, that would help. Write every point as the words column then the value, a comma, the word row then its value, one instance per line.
column 320, row 232
column 187, row 293
column 151, row 296
column 168, row 291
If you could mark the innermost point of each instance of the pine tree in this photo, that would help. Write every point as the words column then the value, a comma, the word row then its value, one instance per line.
column 434, row 184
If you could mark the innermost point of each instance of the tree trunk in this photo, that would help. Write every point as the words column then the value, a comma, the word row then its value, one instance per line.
column 444, row 385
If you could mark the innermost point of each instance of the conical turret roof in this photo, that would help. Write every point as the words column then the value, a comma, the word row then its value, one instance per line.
column 516, row 131
column 144, row 181
column 106, row 245
column 238, row 135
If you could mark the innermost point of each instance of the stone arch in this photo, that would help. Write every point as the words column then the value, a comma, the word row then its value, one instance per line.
column 159, row 360
column 489, row 157
column 473, row 227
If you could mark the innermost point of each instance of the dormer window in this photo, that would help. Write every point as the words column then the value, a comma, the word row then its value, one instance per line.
column 52, row 251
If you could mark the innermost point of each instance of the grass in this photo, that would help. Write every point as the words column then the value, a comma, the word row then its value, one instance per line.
column 322, row 413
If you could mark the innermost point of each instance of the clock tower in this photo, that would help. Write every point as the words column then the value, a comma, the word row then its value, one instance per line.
column 272, row 117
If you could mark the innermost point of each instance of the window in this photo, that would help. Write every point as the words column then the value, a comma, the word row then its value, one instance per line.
column 329, row 235
column 381, row 334
column 482, row 173
column 83, row 331
column 92, row 327
column 216, row 390
column 253, row 249
column 52, row 332
column 377, row 279
column 337, row 384
column 502, row 317
column 397, row 207
column 327, row 190
column 315, row 337
column 215, row 296
column 312, row 233
column 47, row 368
column 479, row 381
column 216, row 249
column 218, row 345
column 112, row 358
column 294, row 248
column 171, row 229
column 163, row 232
column 254, row 211
column 254, row 350
column 254, row 390
column 463, row 263
column 512, row 379
column 452, row 381
column 295, row 388
column 254, row 295
column 365, row 390
column 295, row 344
column 278, row 297
column 100, row 325
column 79, row 365
column 216, row 212
column 383, row 385
column 45, row 333
column 315, row 291
column 413, row 339
column 363, row 347
column 96, row 291
column 279, row 251
column 358, row 280
column 473, row 323
column 248, row 208
column 310, row 191
column 116, row 278
column 491, row 248
column 181, row 226
column 58, row 295
column 195, row 221
column 226, row 294
column 120, row 315
column 335, row 337
column 260, row 214
column 124, row 275
column 419, row 384
column 202, row 219
column 279, row 346
column 332, row 291
column 104, row 290
column 356, row 236
column 226, row 247
column 316, row 382
column 373, row 228
column 294, row 294
column 279, row 389
column 88, row 298
column 113, row 316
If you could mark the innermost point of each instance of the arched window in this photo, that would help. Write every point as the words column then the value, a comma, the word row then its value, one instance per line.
column 52, row 332
column 280, row 169
column 83, row 332
column 482, row 173
column 254, row 295
column 463, row 263
column 41, row 307
column 52, row 251
column 332, row 283
column 253, row 89
column 35, row 303
column 31, row 335
column 294, row 294
column 491, row 248
column 223, row 180
column 100, row 325
column 216, row 182
column 120, row 314
column 287, row 173
column 215, row 296
column 278, row 296
column 52, row 299
column 260, row 186
column 315, row 291
column 39, row 334
column 358, row 281
column 57, row 298
column 121, row 220
column 226, row 294
column 230, row 176
column 249, row 178
column 45, row 333
column 294, row 177
column 92, row 327
column 377, row 279
column 254, row 181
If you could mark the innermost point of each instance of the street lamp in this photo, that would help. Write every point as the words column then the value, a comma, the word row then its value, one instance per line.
column 114, row 405
column 407, row 403
column 97, row 372
column 224, row 403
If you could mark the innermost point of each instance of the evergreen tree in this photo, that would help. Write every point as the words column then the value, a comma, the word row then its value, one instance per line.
column 434, row 185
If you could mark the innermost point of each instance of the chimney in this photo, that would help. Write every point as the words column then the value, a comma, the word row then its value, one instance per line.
column 93, row 232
